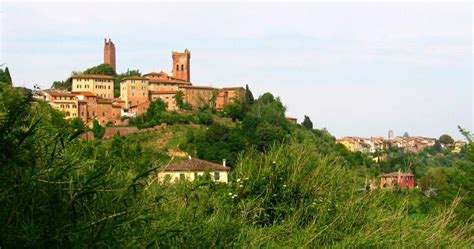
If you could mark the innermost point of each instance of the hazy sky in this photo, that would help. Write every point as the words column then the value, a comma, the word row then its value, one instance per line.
column 354, row 68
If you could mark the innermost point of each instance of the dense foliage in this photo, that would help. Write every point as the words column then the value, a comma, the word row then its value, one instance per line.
column 297, row 189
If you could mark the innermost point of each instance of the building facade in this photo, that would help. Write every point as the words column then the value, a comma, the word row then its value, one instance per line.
column 191, row 169
column 100, row 85
column 134, row 91
column 181, row 65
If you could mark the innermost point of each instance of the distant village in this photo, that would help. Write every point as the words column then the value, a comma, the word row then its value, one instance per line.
column 408, row 143
column 92, row 96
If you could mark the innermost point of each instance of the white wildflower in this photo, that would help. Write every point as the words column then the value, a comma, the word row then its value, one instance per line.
column 241, row 185
column 284, row 185
column 230, row 194
column 238, row 180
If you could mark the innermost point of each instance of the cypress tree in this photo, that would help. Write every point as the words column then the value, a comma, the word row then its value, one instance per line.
column 8, row 76
column 307, row 122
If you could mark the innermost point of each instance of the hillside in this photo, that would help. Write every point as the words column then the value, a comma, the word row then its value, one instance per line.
column 290, row 185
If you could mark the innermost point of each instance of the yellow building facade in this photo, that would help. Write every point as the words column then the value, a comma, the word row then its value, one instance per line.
column 100, row 85
column 134, row 91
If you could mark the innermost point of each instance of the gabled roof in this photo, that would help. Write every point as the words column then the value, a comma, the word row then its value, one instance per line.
column 162, row 80
column 87, row 94
column 60, row 93
column 199, row 87
column 135, row 78
column 194, row 165
column 93, row 76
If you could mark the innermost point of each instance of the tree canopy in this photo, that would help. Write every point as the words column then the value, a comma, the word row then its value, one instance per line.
column 446, row 139
column 307, row 122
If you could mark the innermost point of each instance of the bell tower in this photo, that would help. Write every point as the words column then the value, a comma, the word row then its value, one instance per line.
column 181, row 67
column 109, row 53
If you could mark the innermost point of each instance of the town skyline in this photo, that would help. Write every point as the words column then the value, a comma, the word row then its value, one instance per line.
column 379, row 89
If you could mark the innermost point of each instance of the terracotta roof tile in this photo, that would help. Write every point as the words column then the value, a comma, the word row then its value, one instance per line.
column 195, row 165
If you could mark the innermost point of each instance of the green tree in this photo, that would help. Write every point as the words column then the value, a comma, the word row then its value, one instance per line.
column 131, row 73
column 97, row 129
column 234, row 110
column 248, row 99
column 102, row 69
column 5, row 76
column 178, row 98
column 63, row 85
column 307, row 122
column 446, row 139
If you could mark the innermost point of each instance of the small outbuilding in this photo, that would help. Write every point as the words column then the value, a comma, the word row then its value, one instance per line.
column 192, row 169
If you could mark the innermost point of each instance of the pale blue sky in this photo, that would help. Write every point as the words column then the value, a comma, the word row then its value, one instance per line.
column 354, row 68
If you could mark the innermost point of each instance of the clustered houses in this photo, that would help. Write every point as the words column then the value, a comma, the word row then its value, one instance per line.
column 373, row 144
column 92, row 96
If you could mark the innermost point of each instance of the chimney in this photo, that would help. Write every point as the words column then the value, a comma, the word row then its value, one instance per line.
column 223, row 162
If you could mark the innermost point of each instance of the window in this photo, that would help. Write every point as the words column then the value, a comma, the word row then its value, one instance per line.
column 182, row 67
column 103, row 114
column 181, row 176
column 177, row 67
column 217, row 176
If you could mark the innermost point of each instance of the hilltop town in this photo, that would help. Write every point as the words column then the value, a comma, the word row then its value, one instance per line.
column 92, row 95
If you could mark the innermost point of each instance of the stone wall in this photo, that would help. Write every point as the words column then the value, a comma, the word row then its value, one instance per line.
column 122, row 131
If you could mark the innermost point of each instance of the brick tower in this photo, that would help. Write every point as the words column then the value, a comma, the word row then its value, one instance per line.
column 109, row 53
column 181, row 67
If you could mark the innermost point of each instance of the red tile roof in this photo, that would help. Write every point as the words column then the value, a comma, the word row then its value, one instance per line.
column 199, row 87
column 135, row 78
column 93, row 76
column 61, row 93
column 195, row 165
column 88, row 94
column 163, row 92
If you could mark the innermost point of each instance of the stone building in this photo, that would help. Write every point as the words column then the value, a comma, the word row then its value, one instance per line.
column 229, row 94
column 134, row 91
column 109, row 53
column 181, row 65
column 91, row 107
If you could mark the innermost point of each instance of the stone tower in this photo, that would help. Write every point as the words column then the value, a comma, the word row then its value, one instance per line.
column 109, row 53
column 181, row 67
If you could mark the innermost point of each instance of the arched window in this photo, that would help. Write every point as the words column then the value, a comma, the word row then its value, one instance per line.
column 182, row 67
column 177, row 67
